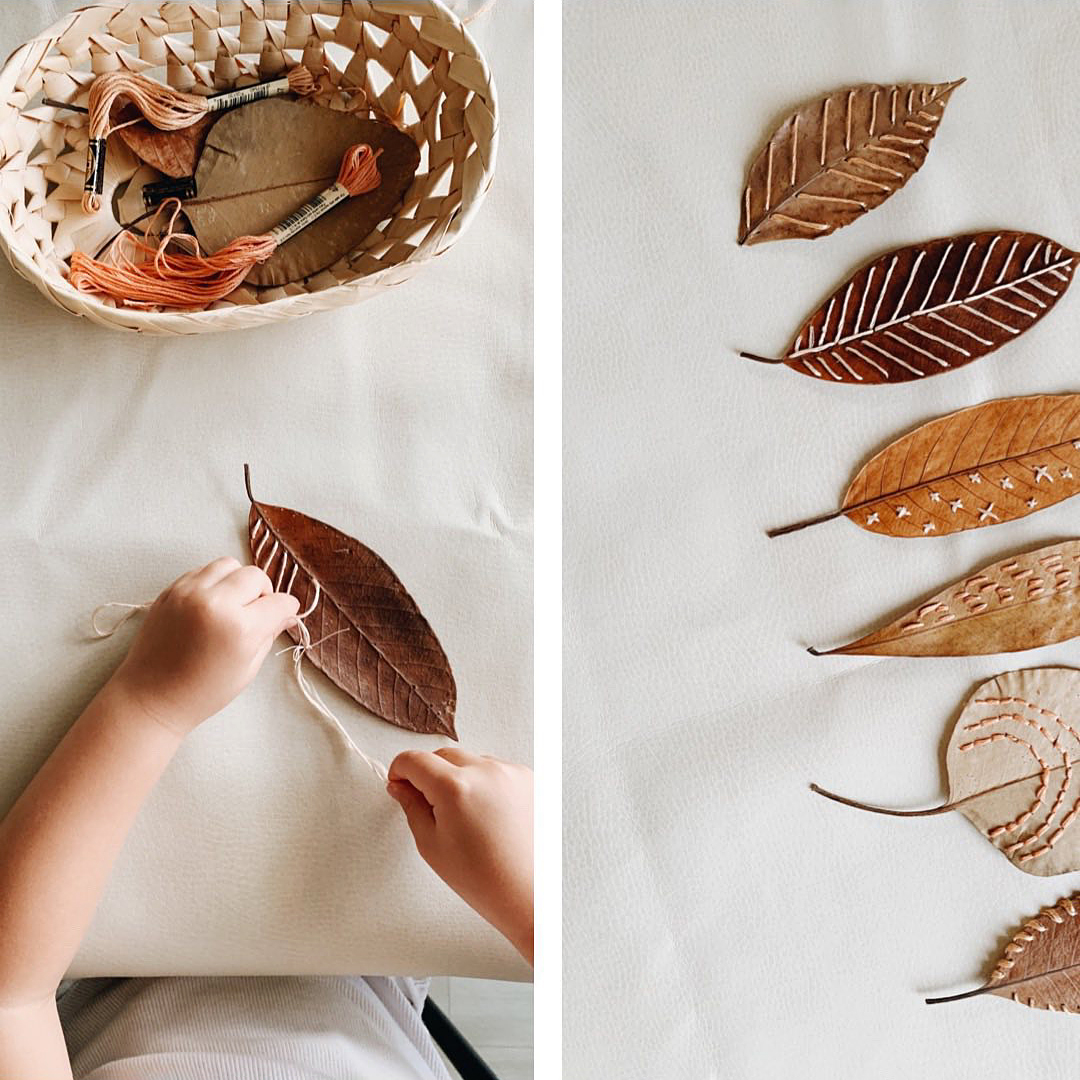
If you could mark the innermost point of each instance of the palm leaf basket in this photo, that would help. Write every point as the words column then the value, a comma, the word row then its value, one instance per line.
column 407, row 58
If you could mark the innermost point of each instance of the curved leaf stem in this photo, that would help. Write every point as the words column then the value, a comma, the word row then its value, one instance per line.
column 247, row 481
column 956, row 997
column 761, row 359
column 928, row 812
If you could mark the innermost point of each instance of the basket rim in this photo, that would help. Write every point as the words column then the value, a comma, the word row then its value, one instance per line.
column 180, row 321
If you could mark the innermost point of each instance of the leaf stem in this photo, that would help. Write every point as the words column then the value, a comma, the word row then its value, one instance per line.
column 783, row 530
column 247, row 481
column 64, row 105
column 761, row 359
column 956, row 997
column 928, row 812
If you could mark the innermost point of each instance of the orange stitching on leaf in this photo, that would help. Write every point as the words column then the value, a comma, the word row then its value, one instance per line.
column 1068, row 819
column 1056, row 914
column 999, row 736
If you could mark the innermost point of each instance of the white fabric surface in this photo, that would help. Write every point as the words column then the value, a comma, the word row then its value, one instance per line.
column 406, row 422
column 751, row 929
column 264, row 1028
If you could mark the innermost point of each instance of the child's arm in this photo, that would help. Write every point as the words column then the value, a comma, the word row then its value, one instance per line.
column 201, row 643
column 472, row 819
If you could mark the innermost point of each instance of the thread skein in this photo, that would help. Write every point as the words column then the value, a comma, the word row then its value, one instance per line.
column 194, row 281
column 167, row 109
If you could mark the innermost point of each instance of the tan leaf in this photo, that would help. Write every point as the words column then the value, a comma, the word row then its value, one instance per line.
column 367, row 633
column 262, row 161
column 839, row 156
column 930, row 308
column 173, row 153
column 1040, row 966
column 1013, row 761
column 1019, row 603
column 994, row 462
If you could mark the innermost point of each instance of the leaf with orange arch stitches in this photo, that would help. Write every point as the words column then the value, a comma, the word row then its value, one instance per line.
column 1013, row 762
column 1040, row 965
column 368, row 635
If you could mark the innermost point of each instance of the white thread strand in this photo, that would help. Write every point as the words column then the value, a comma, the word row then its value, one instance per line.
column 128, row 609
column 298, row 652
column 320, row 706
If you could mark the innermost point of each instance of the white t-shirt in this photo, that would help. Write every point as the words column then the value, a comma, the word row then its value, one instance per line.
column 246, row 1028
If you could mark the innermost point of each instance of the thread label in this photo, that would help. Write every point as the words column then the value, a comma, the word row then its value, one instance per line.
column 155, row 194
column 306, row 214
column 95, row 166
column 247, row 94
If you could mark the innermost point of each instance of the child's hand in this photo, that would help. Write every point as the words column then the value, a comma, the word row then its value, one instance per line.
column 202, row 642
column 472, row 820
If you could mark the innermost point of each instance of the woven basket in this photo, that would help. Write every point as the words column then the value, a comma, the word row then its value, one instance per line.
column 362, row 53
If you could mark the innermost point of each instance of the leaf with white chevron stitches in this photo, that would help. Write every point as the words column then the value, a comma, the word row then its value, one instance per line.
column 991, row 463
column 930, row 308
column 837, row 157
column 367, row 633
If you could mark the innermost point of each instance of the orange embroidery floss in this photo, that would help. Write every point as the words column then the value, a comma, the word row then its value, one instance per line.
column 194, row 281
column 166, row 109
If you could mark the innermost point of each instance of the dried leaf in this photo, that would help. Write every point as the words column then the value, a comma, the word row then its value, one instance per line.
column 1014, row 769
column 994, row 462
column 1038, row 967
column 931, row 308
column 839, row 156
column 1020, row 603
column 263, row 160
column 173, row 153
column 368, row 636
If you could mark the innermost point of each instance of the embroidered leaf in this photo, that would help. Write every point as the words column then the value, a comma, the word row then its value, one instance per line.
column 367, row 633
column 1014, row 769
column 1020, row 603
column 931, row 308
column 839, row 156
column 990, row 463
column 1040, row 966
column 261, row 161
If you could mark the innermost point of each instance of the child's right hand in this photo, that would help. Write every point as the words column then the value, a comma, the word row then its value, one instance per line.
column 201, row 643
column 471, row 818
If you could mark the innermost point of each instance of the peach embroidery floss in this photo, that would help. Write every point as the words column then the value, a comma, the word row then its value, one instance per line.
column 194, row 281
column 166, row 109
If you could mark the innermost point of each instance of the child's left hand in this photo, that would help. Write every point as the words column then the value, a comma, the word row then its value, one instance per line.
column 201, row 643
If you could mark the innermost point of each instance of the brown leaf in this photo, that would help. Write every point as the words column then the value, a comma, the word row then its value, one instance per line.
column 173, row 153
column 991, row 463
column 839, row 156
column 931, row 308
column 263, row 160
column 368, row 636
column 1013, row 761
column 1039, row 966
column 1020, row 603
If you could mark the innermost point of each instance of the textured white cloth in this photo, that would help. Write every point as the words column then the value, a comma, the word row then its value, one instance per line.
column 249, row 1029
column 768, row 932
column 406, row 422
